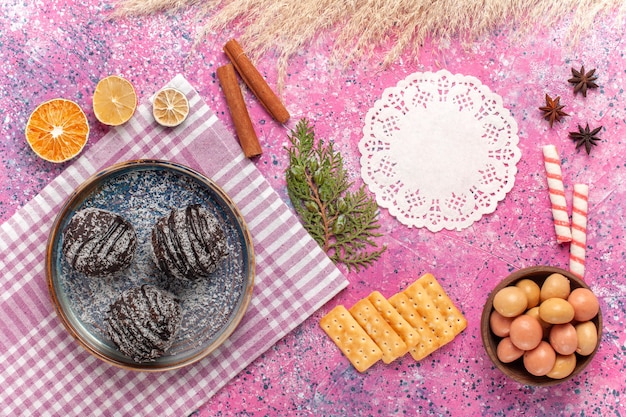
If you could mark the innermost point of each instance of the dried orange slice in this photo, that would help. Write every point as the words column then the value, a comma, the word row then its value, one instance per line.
column 114, row 100
column 57, row 130
column 170, row 107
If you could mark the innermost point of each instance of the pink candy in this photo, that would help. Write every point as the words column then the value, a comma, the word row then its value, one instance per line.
column 576, row 232
column 579, row 230
column 560, row 217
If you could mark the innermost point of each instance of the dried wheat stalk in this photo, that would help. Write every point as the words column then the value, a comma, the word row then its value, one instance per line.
column 358, row 27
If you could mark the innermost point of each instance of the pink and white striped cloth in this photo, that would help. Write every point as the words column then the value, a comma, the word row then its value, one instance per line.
column 43, row 371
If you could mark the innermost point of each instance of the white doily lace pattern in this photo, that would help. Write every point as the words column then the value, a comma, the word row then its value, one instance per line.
column 439, row 150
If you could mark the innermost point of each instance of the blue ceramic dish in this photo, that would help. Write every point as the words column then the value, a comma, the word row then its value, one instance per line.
column 143, row 191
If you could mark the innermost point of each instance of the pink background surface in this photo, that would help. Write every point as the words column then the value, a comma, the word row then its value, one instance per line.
column 61, row 49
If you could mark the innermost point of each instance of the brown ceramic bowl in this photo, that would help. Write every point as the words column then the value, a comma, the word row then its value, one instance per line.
column 515, row 369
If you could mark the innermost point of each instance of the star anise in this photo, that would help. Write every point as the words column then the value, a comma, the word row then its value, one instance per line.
column 583, row 80
column 553, row 110
column 586, row 137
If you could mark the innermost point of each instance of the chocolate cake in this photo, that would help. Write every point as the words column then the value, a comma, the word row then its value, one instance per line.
column 143, row 322
column 188, row 243
column 97, row 242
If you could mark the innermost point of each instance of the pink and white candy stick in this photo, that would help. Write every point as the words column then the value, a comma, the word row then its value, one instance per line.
column 579, row 230
column 552, row 162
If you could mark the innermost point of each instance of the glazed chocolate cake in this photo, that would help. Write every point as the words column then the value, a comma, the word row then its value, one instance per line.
column 97, row 242
column 188, row 243
column 143, row 322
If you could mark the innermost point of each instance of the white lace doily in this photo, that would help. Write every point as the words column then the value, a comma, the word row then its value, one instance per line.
column 439, row 150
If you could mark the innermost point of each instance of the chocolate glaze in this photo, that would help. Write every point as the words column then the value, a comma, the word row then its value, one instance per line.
column 97, row 242
column 188, row 243
column 143, row 322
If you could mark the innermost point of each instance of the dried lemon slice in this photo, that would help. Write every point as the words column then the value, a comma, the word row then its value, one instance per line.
column 114, row 100
column 170, row 107
column 57, row 130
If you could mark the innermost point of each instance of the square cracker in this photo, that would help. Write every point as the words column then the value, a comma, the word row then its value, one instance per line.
column 404, row 329
column 350, row 338
column 438, row 311
column 427, row 292
column 428, row 339
column 379, row 330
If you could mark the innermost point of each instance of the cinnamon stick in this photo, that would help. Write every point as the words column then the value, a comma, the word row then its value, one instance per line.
column 255, row 81
column 238, row 111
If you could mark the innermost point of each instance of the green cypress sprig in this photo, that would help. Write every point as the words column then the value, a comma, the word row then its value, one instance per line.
column 344, row 223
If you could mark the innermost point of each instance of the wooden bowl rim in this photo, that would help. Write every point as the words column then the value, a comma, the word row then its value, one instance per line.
column 515, row 369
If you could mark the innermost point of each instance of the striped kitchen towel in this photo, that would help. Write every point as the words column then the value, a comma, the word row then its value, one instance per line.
column 43, row 371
